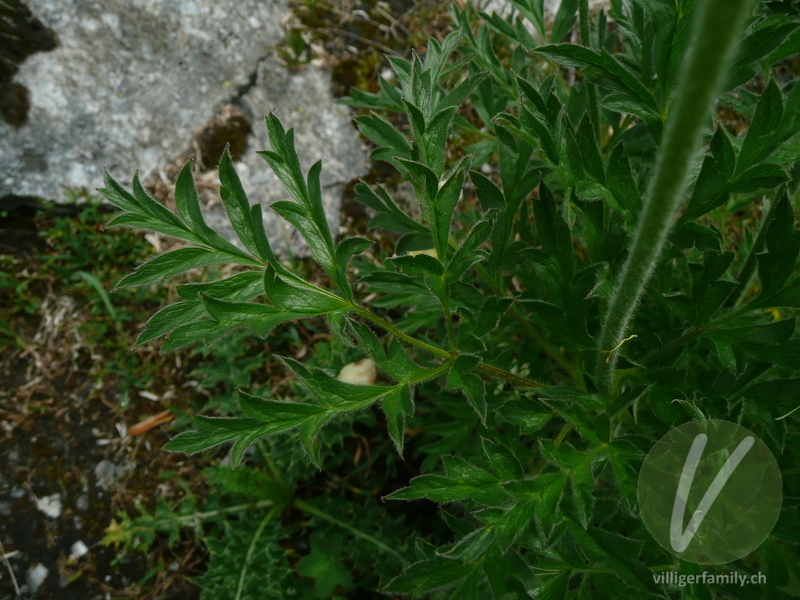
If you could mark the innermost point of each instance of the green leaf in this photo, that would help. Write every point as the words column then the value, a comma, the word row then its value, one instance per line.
column 247, row 561
column 306, row 213
column 564, row 20
column 425, row 183
column 349, row 247
column 262, row 318
column 763, row 176
column 384, row 135
column 554, row 233
column 600, row 67
column 504, row 464
column 589, row 190
column 398, row 405
column 624, row 103
column 444, row 203
column 142, row 211
column 429, row 575
column 278, row 415
column 324, row 565
column 488, row 193
column 766, row 130
column 194, row 441
column 461, row 377
column 555, row 588
column 544, row 493
column 463, row 480
column 140, row 220
column 786, row 297
column 770, row 342
column 242, row 286
column 710, row 191
column 775, row 390
column 590, row 152
column 318, row 238
column 188, row 204
column 723, row 152
column 334, row 393
column 260, row 236
column 467, row 252
column 176, row 262
column 468, row 589
column 783, row 245
column 459, row 93
column 535, row 133
column 204, row 330
column 394, row 359
column 616, row 551
column 419, row 264
column 147, row 204
column 170, row 318
column 389, row 214
column 530, row 417
column 238, row 208
column 619, row 179
column 434, row 142
column 296, row 296
column 533, row 10
column 760, row 41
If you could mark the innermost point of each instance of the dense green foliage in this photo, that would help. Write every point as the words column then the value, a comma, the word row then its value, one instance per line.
column 497, row 386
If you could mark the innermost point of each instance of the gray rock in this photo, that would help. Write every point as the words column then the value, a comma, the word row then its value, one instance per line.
column 131, row 82
column 109, row 473
column 36, row 575
column 127, row 86
column 50, row 505
column 504, row 8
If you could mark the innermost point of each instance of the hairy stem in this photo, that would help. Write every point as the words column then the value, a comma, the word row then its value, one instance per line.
column 556, row 442
column 251, row 550
column 482, row 367
column 716, row 30
column 571, row 369
column 510, row 377
column 383, row 323
column 199, row 516
column 312, row 510
column 694, row 332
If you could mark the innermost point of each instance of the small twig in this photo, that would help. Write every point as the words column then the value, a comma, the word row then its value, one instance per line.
column 4, row 558
column 617, row 347
column 361, row 38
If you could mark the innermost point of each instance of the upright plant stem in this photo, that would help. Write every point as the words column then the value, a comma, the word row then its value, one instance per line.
column 254, row 544
column 716, row 30
column 482, row 367
column 313, row 510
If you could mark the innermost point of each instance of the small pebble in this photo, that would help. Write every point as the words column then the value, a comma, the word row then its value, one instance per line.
column 50, row 505
column 362, row 372
column 36, row 576
column 78, row 549
column 105, row 472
